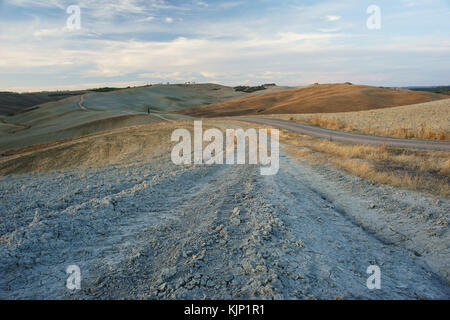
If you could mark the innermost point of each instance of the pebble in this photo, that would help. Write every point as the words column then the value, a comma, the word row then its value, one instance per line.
column 162, row 287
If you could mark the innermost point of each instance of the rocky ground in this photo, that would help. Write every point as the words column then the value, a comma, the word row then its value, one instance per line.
column 153, row 230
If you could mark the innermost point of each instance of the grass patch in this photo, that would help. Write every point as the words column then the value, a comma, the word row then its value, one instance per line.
column 422, row 133
column 330, row 124
column 418, row 170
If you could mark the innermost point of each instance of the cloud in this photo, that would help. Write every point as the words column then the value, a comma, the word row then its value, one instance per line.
column 163, row 76
column 230, row 4
column 50, row 32
column 202, row 4
column 208, row 74
column 112, row 58
column 333, row 18
column 37, row 3
column 76, row 86
column 290, row 57
column 149, row 18
column 103, row 9
column 291, row 44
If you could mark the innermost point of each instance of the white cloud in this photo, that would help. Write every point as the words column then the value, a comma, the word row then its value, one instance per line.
column 76, row 86
column 228, row 49
column 208, row 74
column 149, row 18
column 37, row 3
column 202, row 4
column 333, row 18
column 102, row 58
column 230, row 4
column 102, row 9
column 329, row 30
column 116, row 58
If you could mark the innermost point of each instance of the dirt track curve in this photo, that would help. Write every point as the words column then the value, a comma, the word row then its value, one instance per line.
column 81, row 103
column 347, row 136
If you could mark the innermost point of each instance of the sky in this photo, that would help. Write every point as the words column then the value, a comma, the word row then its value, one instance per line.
column 234, row 42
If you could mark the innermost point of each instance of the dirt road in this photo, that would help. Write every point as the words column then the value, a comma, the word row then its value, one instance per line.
column 81, row 103
column 154, row 230
column 347, row 136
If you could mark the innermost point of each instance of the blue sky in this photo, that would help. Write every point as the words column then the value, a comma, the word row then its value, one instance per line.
column 290, row 42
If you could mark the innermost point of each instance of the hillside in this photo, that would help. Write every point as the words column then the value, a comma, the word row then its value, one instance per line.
column 327, row 98
column 12, row 102
column 440, row 89
column 429, row 120
column 99, row 111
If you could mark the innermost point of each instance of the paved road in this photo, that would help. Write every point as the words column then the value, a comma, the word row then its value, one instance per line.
column 347, row 136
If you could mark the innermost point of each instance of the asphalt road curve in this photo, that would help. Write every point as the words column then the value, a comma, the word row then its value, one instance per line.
column 347, row 136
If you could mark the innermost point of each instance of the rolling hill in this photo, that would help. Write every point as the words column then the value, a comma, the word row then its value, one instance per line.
column 12, row 102
column 94, row 112
column 327, row 98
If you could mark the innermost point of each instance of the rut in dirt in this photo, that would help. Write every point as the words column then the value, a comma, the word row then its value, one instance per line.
column 159, row 231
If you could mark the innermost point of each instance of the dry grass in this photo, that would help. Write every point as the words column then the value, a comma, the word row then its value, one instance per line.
column 114, row 147
column 423, row 133
column 323, row 98
column 330, row 124
column 118, row 146
column 426, row 121
column 424, row 171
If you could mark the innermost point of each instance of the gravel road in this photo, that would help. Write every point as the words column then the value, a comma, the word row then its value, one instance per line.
column 347, row 136
column 153, row 230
